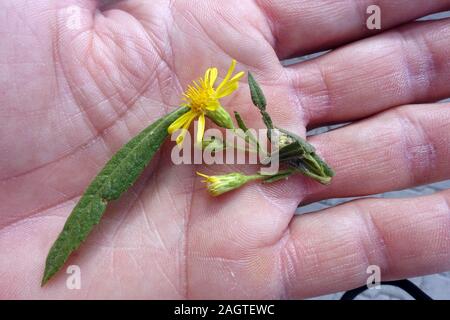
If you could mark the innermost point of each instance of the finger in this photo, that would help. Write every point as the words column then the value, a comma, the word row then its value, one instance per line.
column 397, row 149
column 406, row 65
column 301, row 27
column 330, row 251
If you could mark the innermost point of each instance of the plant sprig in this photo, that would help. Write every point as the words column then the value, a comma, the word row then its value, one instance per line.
column 124, row 168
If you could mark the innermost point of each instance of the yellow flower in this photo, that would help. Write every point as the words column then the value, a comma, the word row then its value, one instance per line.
column 203, row 99
column 218, row 185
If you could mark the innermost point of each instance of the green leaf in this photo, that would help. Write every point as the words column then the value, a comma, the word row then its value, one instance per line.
column 240, row 122
column 249, row 137
column 305, row 168
column 326, row 169
column 114, row 179
column 259, row 100
column 256, row 93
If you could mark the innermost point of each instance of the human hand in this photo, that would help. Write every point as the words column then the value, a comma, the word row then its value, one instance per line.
column 74, row 91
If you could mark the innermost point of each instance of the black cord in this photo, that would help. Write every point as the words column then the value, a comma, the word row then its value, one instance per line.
column 406, row 285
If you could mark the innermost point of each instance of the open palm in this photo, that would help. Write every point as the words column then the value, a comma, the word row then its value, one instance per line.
column 80, row 78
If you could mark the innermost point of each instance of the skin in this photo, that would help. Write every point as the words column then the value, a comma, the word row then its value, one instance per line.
column 72, row 95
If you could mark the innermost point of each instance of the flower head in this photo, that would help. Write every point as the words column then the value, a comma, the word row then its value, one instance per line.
column 218, row 185
column 203, row 99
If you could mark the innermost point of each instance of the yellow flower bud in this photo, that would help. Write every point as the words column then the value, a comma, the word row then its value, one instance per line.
column 218, row 185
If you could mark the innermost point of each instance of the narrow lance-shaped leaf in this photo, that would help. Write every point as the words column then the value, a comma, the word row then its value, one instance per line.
column 249, row 136
column 240, row 121
column 259, row 100
column 115, row 178
column 256, row 93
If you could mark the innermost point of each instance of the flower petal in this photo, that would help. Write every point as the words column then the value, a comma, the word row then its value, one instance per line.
column 213, row 76
column 206, row 76
column 212, row 105
column 180, row 138
column 177, row 124
column 237, row 76
column 200, row 128
column 185, row 128
column 227, row 77
column 204, row 176
column 227, row 90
